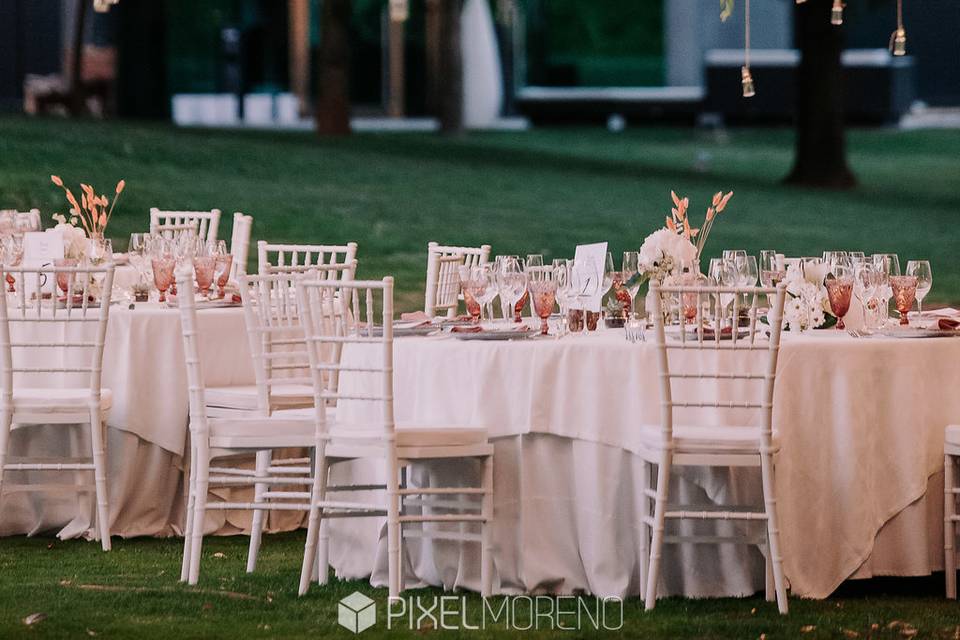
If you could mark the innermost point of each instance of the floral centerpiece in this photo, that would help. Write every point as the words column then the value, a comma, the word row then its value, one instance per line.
column 90, row 211
column 807, row 305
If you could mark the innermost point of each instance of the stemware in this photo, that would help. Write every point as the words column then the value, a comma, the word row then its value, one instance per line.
column 512, row 283
column 66, row 279
column 904, row 292
column 867, row 280
column 99, row 253
column 203, row 268
column 222, row 267
column 889, row 265
column 476, row 282
column 772, row 270
column 543, row 292
column 136, row 252
column 609, row 274
column 12, row 257
column 630, row 276
column 164, row 262
column 840, row 291
column 921, row 269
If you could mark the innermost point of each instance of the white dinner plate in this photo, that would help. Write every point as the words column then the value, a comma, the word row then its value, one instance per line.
column 495, row 335
column 400, row 332
column 917, row 332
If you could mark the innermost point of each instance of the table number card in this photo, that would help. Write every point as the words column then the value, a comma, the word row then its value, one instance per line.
column 589, row 262
column 40, row 249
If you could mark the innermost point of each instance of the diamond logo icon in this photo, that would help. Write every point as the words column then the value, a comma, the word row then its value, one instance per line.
column 356, row 612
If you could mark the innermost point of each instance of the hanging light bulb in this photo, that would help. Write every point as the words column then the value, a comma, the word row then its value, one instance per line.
column 746, row 79
column 898, row 39
column 836, row 14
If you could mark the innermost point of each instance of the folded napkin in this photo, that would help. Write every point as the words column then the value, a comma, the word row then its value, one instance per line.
column 948, row 324
column 414, row 316
column 473, row 328
column 412, row 324
column 946, row 312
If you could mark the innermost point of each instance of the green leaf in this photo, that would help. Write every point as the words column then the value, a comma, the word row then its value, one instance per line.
column 726, row 9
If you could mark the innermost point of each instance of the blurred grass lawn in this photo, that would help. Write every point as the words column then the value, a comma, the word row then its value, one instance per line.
column 539, row 191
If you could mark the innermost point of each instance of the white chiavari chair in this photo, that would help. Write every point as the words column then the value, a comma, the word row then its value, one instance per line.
column 207, row 222
column 58, row 338
column 329, row 323
column 299, row 258
column 172, row 231
column 442, row 293
column 216, row 437
column 240, row 244
column 951, row 452
column 695, row 359
column 13, row 220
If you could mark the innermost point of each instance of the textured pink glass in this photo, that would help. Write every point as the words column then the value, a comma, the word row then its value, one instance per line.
column 544, row 295
column 203, row 267
column 224, row 264
column 518, row 308
column 470, row 293
column 904, row 293
column 66, row 280
column 163, row 267
column 839, row 291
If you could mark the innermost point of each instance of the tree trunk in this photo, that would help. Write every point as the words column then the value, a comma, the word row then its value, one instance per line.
column 451, row 68
column 333, row 93
column 821, row 153
column 76, row 101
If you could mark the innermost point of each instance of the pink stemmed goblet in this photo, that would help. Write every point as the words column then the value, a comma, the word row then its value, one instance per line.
column 224, row 264
column 839, row 292
column 203, row 267
column 163, row 266
column 904, row 293
column 543, row 293
column 65, row 280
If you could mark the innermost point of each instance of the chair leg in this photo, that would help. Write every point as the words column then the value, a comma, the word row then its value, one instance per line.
column 188, row 528
column 659, row 516
column 323, row 552
column 769, row 591
column 5, row 424
column 318, row 493
column 644, row 527
column 393, row 525
column 201, row 465
column 773, row 530
column 97, row 437
column 256, row 528
column 486, row 531
column 949, row 526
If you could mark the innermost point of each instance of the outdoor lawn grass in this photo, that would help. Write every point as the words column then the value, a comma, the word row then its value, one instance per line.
column 133, row 592
column 538, row 191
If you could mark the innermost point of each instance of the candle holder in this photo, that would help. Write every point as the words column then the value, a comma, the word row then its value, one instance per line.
column 746, row 79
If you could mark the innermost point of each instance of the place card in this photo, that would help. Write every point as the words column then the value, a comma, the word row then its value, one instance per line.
column 588, row 265
column 41, row 249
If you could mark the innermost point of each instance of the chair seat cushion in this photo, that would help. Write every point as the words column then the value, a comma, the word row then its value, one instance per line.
column 703, row 439
column 262, row 433
column 245, row 396
column 439, row 436
column 45, row 399
column 952, row 438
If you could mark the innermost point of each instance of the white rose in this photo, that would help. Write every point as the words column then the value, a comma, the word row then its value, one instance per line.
column 74, row 240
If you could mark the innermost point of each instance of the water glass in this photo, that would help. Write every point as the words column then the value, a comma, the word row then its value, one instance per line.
column 921, row 269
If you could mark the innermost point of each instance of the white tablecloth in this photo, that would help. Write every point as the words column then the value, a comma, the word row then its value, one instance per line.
column 860, row 420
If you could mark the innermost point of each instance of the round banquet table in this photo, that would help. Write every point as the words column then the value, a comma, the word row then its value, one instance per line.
column 143, row 365
column 859, row 476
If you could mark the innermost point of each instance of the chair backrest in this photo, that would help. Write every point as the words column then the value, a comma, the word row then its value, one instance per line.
column 191, row 351
column 240, row 244
column 171, row 231
column 442, row 292
column 208, row 222
column 740, row 356
column 74, row 324
column 300, row 258
column 275, row 330
column 337, row 314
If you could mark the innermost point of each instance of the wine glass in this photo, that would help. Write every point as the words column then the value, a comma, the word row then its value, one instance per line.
column 542, row 285
column 474, row 282
column 512, row 283
column 772, row 270
column 733, row 254
column 840, row 291
column 921, row 269
column 12, row 257
column 203, row 268
column 904, row 292
column 66, row 279
column 889, row 265
column 489, row 290
column 747, row 267
column 630, row 275
column 534, row 259
column 136, row 252
column 222, row 267
column 609, row 272
column 99, row 253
